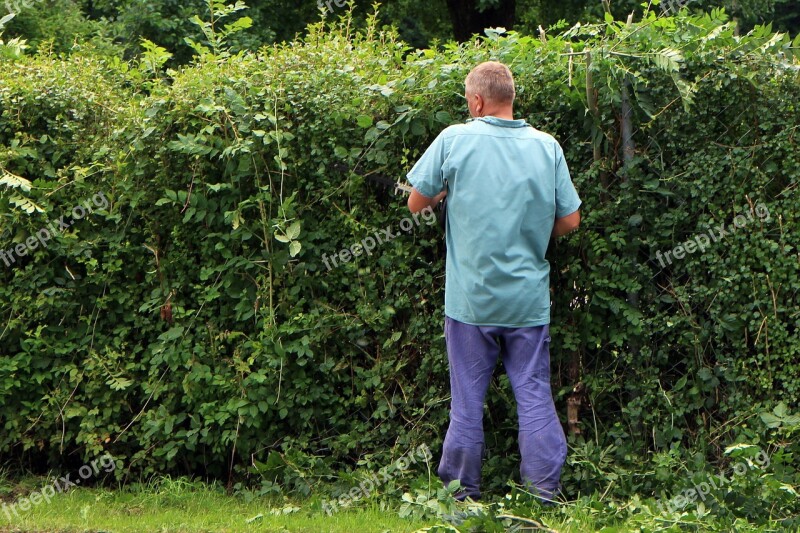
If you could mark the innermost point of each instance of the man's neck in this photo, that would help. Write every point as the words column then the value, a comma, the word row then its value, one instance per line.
column 506, row 113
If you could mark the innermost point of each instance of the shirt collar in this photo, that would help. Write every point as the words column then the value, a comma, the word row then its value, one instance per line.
column 502, row 122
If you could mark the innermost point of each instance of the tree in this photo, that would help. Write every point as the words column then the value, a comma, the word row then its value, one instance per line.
column 473, row 16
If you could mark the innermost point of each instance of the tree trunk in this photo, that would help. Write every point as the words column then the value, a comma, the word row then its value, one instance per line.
column 467, row 20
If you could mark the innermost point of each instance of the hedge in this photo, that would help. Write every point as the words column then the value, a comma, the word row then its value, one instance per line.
column 192, row 326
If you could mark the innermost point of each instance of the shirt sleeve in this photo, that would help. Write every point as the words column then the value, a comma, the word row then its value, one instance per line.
column 567, row 200
column 427, row 176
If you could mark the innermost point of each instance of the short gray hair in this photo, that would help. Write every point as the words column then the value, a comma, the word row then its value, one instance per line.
column 493, row 81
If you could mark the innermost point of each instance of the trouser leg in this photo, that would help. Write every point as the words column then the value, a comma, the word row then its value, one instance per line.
column 543, row 446
column 472, row 353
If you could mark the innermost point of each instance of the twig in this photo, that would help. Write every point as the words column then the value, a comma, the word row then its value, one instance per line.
column 530, row 521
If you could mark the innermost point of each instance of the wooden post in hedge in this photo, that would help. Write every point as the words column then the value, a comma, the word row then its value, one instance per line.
column 575, row 364
column 591, row 100
column 628, row 152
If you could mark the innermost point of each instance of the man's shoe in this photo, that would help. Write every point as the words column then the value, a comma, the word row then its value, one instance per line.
column 462, row 495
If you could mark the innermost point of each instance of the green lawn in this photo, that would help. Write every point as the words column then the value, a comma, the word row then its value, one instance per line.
column 178, row 505
column 189, row 510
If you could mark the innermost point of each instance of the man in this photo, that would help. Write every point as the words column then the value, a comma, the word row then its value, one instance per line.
column 508, row 191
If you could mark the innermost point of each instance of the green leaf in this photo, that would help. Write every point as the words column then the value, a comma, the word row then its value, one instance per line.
column 635, row 221
column 444, row 117
column 13, row 181
column 239, row 25
column 294, row 230
column 770, row 420
column 118, row 383
column 259, row 516
column 668, row 59
column 236, row 220
column 172, row 334
column 364, row 121
column 738, row 447
column 25, row 204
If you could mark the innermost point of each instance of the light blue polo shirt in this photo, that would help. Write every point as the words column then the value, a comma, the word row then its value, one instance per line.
column 507, row 183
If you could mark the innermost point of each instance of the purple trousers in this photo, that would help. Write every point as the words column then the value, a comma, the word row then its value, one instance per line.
column 472, row 352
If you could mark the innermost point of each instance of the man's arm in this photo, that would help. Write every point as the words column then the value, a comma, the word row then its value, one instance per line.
column 565, row 224
column 417, row 202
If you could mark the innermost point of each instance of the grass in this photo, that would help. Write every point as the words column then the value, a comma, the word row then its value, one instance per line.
column 181, row 506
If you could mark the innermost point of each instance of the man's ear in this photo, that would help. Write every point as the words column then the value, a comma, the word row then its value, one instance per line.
column 478, row 104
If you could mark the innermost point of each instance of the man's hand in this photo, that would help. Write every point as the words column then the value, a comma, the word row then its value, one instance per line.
column 566, row 224
column 417, row 202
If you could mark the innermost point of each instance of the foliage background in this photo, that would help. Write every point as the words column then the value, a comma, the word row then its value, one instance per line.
column 193, row 328
column 122, row 24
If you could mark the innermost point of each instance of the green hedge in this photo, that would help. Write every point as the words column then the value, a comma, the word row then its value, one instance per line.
column 193, row 327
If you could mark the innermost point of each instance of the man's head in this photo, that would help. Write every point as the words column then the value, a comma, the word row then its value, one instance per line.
column 489, row 90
